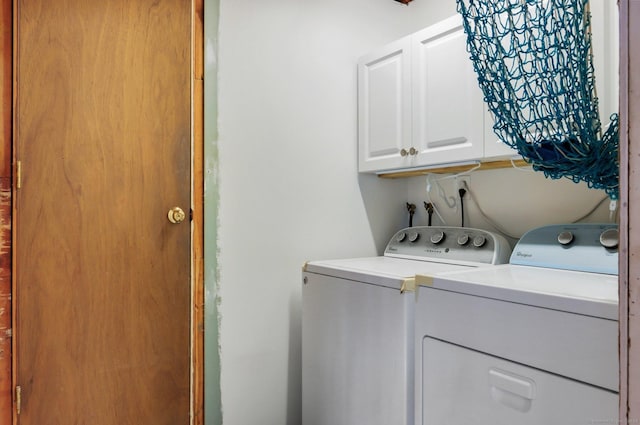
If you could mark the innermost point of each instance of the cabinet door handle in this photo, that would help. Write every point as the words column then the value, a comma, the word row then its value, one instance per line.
column 413, row 151
column 404, row 152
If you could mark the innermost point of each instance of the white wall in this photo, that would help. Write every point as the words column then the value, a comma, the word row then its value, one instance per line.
column 289, row 189
column 516, row 199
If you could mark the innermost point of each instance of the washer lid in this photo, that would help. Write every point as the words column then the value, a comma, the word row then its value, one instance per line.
column 382, row 271
column 591, row 294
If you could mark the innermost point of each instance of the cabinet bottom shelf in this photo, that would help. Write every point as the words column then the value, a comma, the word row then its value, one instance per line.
column 489, row 165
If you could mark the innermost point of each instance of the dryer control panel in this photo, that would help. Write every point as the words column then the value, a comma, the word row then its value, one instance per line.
column 586, row 247
column 449, row 244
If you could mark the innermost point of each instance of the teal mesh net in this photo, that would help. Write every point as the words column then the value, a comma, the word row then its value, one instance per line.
column 534, row 64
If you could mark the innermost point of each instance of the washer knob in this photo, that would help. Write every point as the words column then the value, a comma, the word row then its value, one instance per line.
column 565, row 238
column 463, row 239
column 401, row 236
column 437, row 237
column 609, row 238
column 414, row 236
column 479, row 241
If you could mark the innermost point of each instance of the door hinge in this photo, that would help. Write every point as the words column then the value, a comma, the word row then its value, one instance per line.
column 18, row 174
column 18, row 399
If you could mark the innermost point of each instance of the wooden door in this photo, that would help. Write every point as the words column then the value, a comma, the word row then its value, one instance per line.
column 103, row 140
column 6, row 384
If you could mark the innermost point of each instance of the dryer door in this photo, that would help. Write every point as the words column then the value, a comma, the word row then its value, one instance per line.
column 462, row 386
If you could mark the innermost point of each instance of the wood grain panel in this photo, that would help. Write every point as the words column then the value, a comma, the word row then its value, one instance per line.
column 6, row 103
column 623, row 269
column 198, row 214
column 198, row 300
column 6, row 382
column 198, row 260
column 6, row 82
column 630, row 211
column 103, row 279
column 198, row 40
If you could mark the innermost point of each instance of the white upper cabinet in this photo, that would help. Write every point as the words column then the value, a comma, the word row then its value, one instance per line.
column 447, row 102
column 604, row 41
column 494, row 148
column 604, row 30
column 420, row 104
column 384, row 107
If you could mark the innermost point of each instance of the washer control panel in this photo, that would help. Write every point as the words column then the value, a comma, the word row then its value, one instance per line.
column 449, row 244
column 584, row 247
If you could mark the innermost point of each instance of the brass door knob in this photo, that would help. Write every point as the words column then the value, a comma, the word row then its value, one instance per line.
column 176, row 215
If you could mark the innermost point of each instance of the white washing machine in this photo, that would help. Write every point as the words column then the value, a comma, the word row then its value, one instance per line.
column 357, row 323
column 531, row 342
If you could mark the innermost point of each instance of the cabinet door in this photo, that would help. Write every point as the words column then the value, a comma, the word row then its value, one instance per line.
column 494, row 148
column 604, row 30
column 447, row 102
column 384, row 107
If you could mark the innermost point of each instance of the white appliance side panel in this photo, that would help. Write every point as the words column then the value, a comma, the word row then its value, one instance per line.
column 580, row 347
column 357, row 353
column 462, row 387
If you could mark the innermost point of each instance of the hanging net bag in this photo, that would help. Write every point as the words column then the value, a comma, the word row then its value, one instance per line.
column 534, row 64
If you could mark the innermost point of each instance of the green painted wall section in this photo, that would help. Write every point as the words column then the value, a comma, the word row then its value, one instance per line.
column 212, row 405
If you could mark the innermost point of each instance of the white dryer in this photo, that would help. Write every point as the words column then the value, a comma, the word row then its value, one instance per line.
column 531, row 342
column 357, row 323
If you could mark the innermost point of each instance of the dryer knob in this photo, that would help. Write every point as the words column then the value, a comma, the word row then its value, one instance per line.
column 414, row 236
column 463, row 239
column 565, row 238
column 609, row 238
column 401, row 236
column 437, row 237
column 479, row 241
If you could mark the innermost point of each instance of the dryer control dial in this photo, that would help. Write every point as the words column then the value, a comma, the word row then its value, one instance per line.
column 437, row 237
column 401, row 236
column 414, row 236
column 463, row 239
column 609, row 238
column 565, row 238
column 479, row 241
